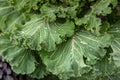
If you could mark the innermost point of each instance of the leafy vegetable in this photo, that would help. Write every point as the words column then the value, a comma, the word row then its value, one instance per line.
column 71, row 39
column 37, row 32
column 71, row 54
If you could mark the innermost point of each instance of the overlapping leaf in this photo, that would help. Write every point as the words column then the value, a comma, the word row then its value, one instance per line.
column 115, row 30
column 18, row 4
column 40, row 72
column 33, row 28
column 8, row 16
column 25, row 5
column 103, row 70
column 68, row 59
column 91, row 21
column 104, row 67
column 21, row 60
column 37, row 34
column 103, row 7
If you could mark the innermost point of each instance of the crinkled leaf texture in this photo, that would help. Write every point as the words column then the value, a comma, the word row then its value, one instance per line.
column 39, row 28
column 40, row 72
column 102, row 70
column 115, row 30
column 21, row 60
column 103, row 7
column 9, row 17
column 38, row 33
column 69, row 59
column 91, row 21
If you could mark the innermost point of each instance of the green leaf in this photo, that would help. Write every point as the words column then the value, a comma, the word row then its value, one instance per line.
column 102, row 7
column 21, row 60
column 115, row 30
column 104, row 67
column 90, row 22
column 49, row 11
column 69, row 58
column 7, row 19
column 37, row 34
column 116, row 51
column 19, row 4
column 4, row 43
column 102, row 70
column 40, row 72
column 5, row 8
column 25, row 5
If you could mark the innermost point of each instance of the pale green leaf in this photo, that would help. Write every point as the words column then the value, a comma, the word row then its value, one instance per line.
column 4, row 43
column 69, row 58
column 38, row 33
column 9, row 17
column 21, row 60
column 90, row 22
column 115, row 30
column 5, row 9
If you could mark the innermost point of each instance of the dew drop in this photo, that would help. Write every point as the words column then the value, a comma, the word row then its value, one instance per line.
column 23, row 32
column 83, row 42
